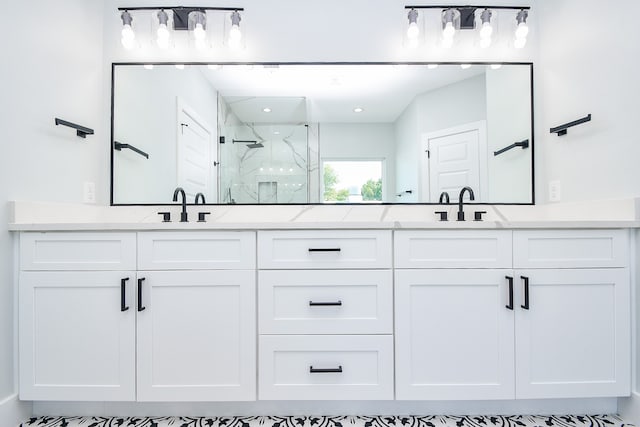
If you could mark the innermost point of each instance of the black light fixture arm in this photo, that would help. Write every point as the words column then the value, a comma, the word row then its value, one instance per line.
column 562, row 129
column 230, row 9
column 524, row 144
column 449, row 6
column 119, row 146
column 81, row 131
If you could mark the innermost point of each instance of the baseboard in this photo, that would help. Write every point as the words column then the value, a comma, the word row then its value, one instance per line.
column 629, row 408
column 13, row 411
column 283, row 408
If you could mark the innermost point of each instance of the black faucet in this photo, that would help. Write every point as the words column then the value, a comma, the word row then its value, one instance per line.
column 200, row 196
column 444, row 198
column 471, row 197
column 183, row 214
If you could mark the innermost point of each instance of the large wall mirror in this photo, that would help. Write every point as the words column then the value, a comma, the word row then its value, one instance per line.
column 321, row 133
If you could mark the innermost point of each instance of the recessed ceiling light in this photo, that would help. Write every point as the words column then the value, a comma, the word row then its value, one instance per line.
column 214, row 66
column 180, row 66
column 432, row 66
column 266, row 109
column 358, row 110
column 276, row 132
column 465, row 66
column 496, row 66
column 148, row 66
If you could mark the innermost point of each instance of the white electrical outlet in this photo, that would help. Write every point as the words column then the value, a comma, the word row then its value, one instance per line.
column 89, row 192
column 555, row 192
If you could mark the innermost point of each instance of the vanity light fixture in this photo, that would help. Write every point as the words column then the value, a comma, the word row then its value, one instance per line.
column 522, row 29
column 128, row 36
column 192, row 19
column 162, row 33
column 459, row 18
column 358, row 110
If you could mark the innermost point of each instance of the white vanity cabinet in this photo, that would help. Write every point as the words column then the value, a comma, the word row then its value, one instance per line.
column 554, row 323
column 325, row 315
column 574, row 338
column 77, row 316
column 196, row 319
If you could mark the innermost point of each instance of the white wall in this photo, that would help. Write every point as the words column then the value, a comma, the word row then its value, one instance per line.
column 588, row 64
column 359, row 141
column 52, row 68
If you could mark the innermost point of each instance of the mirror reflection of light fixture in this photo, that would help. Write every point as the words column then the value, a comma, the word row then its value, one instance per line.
column 448, row 26
column 235, row 34
column 198, row 27
column 128, row 36
column 522, row 29
column 162, row 33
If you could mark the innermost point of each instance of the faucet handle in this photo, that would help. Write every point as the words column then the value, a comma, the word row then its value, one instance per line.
column 166, row 216
column 443, row 215
column 201, row 216
column 477, row 215
column 460, row 215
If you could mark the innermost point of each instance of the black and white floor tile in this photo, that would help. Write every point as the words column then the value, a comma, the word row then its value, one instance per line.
column 335, row 421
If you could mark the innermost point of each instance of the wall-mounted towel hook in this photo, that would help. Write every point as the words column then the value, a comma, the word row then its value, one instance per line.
column 524, row 144
column 81, row 131
column 562, row 129
column 119, row 146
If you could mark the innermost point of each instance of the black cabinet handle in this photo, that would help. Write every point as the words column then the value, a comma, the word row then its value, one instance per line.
column 324, row 304
column 123, row 294
column 325, row 371
column 526, row 292
column 140, row 307
column 510, row 305
column 324, row 249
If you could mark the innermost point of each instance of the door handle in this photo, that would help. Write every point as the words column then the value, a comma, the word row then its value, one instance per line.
column 140, row 306
column 526, row 292
column 123, row 294
column 510, row 305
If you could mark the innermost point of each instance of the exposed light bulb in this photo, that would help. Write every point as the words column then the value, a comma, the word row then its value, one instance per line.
column 486, row 30
column 198, row 32
column 449, row 31
column 413, row 31
column 128, row 36
column 485, row 42
column 447, row 43
column 163, row 36
column 235, row 34
column 522, row 30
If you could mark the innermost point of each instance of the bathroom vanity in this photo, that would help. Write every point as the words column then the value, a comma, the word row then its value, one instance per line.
column 115, row 309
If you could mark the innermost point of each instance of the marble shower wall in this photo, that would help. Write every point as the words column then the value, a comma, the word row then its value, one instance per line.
column 274, row 173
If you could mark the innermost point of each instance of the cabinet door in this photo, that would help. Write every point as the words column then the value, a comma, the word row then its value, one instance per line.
column 454, row 335
column 196, row 336
column 77, row 336
column 574, row 339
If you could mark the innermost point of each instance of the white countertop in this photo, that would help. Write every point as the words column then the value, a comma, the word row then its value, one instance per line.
column 46, row 216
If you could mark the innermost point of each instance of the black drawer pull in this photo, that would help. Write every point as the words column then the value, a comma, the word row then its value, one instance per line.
column 313, row 370
column 140, row 306
column 526, row 292
column 510, row 305
column 324, row 303
column 324, row 249
column 123, row 294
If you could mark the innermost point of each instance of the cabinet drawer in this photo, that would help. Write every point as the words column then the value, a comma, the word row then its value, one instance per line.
column 325, row 302
column 204, row 250
column 453, row 249
column 324, row 249
column 327, row 367
column 570, row 248
column 77, row 251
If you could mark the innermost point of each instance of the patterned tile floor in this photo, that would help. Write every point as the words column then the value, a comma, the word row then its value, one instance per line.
column 336, row 421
